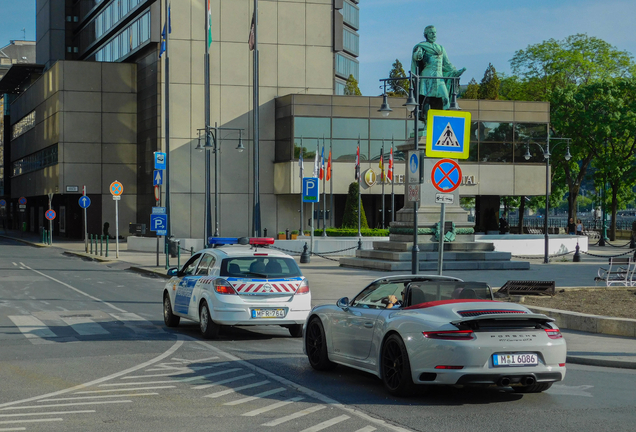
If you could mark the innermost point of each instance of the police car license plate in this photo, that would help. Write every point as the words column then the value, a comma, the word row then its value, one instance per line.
column 517, row 359
column 268, row 313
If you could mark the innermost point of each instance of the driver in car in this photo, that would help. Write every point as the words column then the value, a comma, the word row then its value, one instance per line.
column 392, row 301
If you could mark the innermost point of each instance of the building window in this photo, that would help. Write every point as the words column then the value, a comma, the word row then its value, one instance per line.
column 340, row 88
column 351, row 15
column 346, row 66
column 42, row 159
column 351, row 42
column 126, row 41
column 24, row 125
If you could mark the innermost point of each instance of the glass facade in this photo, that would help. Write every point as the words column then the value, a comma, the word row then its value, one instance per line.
column 351, row 15
column 24, row 125
column 340, row 88
column 351, row 41
column 112, row 14
column 42, row 159
column 346, row 66
column 126, row 41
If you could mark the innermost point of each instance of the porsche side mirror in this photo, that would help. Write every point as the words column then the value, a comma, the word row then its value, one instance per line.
column 173, row 271
column 343, row 303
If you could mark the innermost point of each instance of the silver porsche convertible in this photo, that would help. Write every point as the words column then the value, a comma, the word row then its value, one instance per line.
column 432, row 330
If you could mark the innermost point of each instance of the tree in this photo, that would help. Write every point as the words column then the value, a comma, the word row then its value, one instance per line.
column 472, row 91
column 350, row 217
column 351, row 88
column 401, row 87
column 576, row 60
column 489, row 87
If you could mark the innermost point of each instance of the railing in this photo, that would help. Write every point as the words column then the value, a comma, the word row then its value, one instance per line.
column 562, row 222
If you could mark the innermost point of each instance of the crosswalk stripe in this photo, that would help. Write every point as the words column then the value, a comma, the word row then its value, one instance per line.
column 180, row 373
column 225, row 381
column 326, row 424
column 85, row 326
column 295, row 415
column 273, row 406
column 67, row 404
column 229, row 391
column 31, row 327
column 30, row 421
column 97, row 397
column 47, row 413
column 256, row 396
column 125, row 389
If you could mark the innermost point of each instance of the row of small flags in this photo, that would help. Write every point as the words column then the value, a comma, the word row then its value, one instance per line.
column 319, row 165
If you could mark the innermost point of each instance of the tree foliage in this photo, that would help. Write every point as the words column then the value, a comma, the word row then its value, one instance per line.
column 489, row 86
column 401, row 87
column 350, row 217
column 351, row 87
column 472, row 92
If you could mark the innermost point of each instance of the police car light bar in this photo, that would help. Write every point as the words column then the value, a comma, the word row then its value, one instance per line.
column 262, row 241
column 221, row 241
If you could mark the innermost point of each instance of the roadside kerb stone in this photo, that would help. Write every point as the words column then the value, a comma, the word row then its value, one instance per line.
column 589, row 323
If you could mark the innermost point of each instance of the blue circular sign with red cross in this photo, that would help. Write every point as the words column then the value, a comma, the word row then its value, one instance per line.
column 116, row 188
column 446, row 175
column 22, row 201
column 50, row 214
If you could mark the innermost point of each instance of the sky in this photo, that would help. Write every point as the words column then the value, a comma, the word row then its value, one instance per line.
column 474, row 32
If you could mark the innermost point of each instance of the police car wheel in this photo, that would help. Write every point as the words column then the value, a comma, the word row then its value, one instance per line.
column 295, row 330
column 170, row 319
column 209, row 328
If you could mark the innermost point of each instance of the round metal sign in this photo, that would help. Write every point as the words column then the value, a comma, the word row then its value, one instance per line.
column 116, row 188
column 2, row 203
column 22, row 200
column 50, row 214
column 446, row 175
column 157, row 193
column 84, row 202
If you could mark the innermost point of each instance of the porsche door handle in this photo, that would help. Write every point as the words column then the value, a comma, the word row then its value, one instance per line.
column 368, row 324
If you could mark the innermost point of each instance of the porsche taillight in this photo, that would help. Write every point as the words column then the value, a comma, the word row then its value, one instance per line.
column 554, row 333
column 222, row 286
column 450, row 335
column 303, row 288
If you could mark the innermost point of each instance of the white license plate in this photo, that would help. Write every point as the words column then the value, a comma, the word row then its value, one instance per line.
column 268, row 313
column 517, row 359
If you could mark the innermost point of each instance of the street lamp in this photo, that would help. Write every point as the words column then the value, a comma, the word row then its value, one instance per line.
column 210, row 135
column 546, row 156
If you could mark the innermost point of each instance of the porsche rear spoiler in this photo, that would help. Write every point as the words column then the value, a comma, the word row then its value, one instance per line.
column 509, row 318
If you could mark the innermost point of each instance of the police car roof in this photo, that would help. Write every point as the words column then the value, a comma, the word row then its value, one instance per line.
column 245, row 251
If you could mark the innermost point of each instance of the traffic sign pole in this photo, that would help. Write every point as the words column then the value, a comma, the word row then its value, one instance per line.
column 50, row 221
column 85, row 222
column 117, row 228
column 442, row 222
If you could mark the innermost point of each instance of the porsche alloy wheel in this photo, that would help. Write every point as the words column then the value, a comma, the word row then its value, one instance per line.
column 170, row 319
column 209, row 328
column 316, row 345
column 396, row 368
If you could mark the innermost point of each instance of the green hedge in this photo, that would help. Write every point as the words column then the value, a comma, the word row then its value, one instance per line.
column 349, row 232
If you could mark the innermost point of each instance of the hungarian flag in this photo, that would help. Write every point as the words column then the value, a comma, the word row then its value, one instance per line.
column 357, row 174
column 322, row 164
column 390, row 172
column 209, row 35
column 381, row 164
column 329, row 167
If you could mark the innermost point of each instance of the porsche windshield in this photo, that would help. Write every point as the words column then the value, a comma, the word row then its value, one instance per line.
column 422, row 292
column 260, row 267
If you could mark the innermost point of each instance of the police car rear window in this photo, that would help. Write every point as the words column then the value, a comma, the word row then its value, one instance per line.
column 260, row 267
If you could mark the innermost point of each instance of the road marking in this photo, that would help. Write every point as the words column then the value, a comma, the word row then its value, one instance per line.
column 30, row 421
column 74, row 289
column 295, row 415
column 230, row 391
column 256, row 396
column 12, row 429
column 194, row 361
column 225, row 381
column 183, row 379
column 326, row 424
column 32, row 327
column 68, row 404
column 273, row 406
column 97, row 397
column 366, row 429
column 183, row 371
column 560, row 389
column 124, row 389
column 85, row 326
column 48, row 413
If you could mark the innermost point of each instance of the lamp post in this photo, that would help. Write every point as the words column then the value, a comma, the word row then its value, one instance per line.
column 210, row 135
column 546, row 156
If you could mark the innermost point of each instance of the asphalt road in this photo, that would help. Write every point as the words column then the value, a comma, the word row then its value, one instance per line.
column 98, row 358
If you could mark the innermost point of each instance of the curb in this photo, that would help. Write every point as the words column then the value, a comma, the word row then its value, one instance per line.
column 589, row 323
column 148, row 272
column 600, row 362
column 27, row 242
column 88, row 257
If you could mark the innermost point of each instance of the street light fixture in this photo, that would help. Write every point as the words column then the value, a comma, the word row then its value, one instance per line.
column 213, row 143
column 546, row 156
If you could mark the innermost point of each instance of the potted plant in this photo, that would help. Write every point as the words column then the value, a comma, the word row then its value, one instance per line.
column 294, row 234
column 281, row 235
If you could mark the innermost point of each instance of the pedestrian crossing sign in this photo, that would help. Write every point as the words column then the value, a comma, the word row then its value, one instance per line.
column 447, row 134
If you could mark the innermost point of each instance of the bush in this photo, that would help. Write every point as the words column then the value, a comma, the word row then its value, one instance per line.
column 350, row 232
column 294, row 232
column 350, row 217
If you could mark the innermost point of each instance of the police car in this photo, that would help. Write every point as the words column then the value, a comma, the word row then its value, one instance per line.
column 238, row 281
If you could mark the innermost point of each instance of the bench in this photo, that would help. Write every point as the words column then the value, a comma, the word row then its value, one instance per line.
column 527, row 287
column 620, row 272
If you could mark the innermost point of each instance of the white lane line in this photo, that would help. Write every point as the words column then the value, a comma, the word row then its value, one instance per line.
column 183, row 369
column 85, row 326
column 97, row 397
column 15, row 264
column 273, row 406
column 12, row 429
column 125, row 389
column 32, row 327
column 174, row 374
column 74, row 289
column 68, row 404
column 48, row 413
column 295, row 415
column 172, row 381
column 326, row 424
column 230, row 391
column 143, row 365
column 30, row 421
column 366, row 429
column 194, row 361
column 225, row 381
column 256, row 396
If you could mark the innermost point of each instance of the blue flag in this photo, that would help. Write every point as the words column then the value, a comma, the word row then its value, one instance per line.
column 163, row 33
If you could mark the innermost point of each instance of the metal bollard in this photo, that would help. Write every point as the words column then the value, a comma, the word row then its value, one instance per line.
column 305, row 257
column 577, row 254
column 287, row 236
column 101, row 245
column 165, row 247
column 91, row 242
column 264, row 232
column 107, row 246
column 359, row 244
column 44, row 236
column 178, row 254
column 191, row 250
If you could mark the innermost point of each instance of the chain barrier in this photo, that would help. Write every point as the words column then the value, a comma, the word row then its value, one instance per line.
column 327, row 258
column 626, row 244
column 608, row 256
column 542, row 257
column 291, row 252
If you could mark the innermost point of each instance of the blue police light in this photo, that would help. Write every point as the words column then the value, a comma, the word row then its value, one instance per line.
column 221, row 241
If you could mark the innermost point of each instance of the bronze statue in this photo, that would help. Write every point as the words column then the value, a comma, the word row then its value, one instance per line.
column 430, row 60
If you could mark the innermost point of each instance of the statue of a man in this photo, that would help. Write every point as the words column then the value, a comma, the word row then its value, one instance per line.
column 430, row 59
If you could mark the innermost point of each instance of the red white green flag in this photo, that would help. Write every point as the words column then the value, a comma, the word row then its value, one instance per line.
column 209, row 23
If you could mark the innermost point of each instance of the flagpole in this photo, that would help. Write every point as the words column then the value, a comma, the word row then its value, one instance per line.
column 317, row 168
column 207, row 232
column 358, row 174
column 256, row 220
column 167, row 121
column 330, row 184
column 324, row 190
column 392, row 183
column 301, row 163
column 382, row 180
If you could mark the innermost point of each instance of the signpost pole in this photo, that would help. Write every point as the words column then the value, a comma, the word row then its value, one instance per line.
column 85, row 223
column 440, row 261
column 50, row 221
column 416, row 249
column 311, row 227
column 117, row 228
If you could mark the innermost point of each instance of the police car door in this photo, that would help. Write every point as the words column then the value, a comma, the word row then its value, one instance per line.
column 205, row 268
column 186, row 286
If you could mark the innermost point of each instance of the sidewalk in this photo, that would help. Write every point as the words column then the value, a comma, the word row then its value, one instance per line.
column 330, row 282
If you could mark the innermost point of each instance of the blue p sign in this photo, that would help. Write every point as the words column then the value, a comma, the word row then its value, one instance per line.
column 311, row 192
column 158, row 222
